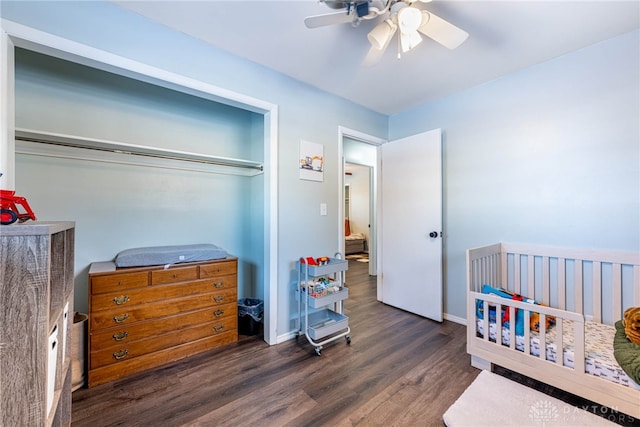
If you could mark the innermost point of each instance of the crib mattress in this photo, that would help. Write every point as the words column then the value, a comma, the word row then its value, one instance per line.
column 599, row 358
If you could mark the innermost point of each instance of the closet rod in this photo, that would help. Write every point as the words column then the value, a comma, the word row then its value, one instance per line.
column 136, row 150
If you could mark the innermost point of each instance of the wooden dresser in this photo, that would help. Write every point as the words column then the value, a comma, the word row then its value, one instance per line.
column 140, row 318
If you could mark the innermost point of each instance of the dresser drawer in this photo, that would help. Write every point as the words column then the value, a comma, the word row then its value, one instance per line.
column 159, row 342
column 158, row 293
column 125, row 334
column 136, row 313
column 218, row 269
column 119, row 282
column 173, row 275
column 126, row 367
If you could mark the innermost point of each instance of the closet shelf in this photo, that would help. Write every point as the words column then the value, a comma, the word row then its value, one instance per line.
column 49, row 144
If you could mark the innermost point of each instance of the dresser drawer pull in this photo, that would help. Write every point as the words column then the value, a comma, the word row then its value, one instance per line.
column 218, row 298
column 119, row 336
column 218, row 328
column 219, row 284
column 119, row 318
column 120, row 354
column 122, row 299
column 218, row 313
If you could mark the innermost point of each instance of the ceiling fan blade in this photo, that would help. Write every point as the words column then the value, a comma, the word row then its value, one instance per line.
column 442, row 31
column 328, row 19
column 373, row 57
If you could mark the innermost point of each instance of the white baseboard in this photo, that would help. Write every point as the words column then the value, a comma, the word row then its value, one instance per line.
column 455, row 319
column 293, row 334
column 286, row 337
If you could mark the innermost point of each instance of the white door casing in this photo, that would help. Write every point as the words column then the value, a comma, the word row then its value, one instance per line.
column 7, row 115
column 410, row 275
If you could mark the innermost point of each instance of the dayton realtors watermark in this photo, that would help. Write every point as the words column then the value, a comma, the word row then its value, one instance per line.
column 547, row 413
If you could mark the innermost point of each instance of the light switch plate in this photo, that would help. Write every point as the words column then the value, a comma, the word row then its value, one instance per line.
column 323, row 209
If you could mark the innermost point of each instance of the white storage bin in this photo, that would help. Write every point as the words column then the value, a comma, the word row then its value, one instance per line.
column 51, row 366
column 65, row 320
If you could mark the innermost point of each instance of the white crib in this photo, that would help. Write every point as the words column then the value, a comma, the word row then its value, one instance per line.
column 577, row 286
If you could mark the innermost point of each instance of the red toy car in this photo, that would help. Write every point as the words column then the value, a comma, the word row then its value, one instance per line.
column 9, row 212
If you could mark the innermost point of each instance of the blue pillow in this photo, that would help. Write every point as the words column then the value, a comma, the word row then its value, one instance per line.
column 486, row 289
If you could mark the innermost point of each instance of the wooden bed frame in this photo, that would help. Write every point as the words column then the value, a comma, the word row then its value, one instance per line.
column 576, row 284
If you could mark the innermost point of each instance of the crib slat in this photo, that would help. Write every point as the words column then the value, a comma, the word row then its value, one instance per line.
column 485, row 320
column 578, row 344
column 486, row 269
column 499, row 324
column 542, row 336
column 597, row 291
column 516, row 274
column 562, row 297
column 512, row 328
column 527, row 333
column 616, row 282
column 577, row 286
column 531, row 285
column 545, row 280
column 503, row 270
column 559, row 341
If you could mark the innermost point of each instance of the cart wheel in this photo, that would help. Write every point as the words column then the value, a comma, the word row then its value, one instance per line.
column 319, row 351
column 348, row 338
column 7, row 216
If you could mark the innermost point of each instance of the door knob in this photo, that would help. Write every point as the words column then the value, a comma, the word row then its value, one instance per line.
column 433, row 234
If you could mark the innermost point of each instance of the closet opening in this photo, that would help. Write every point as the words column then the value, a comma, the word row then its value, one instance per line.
column 139, row 200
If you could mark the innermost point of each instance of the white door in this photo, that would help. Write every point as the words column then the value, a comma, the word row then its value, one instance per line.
column 410, row 246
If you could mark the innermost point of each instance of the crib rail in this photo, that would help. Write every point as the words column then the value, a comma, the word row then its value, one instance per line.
column 597, row 284
column 561, row 318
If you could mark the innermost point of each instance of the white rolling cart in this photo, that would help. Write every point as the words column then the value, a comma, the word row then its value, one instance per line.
column 320, row 309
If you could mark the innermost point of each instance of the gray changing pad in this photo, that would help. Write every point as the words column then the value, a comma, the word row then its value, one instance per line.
column 159, row 255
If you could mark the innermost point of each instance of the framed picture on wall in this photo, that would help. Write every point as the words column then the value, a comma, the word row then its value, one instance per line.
column 311, row 161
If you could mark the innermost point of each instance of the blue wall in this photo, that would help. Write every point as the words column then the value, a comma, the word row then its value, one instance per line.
column 548, row 155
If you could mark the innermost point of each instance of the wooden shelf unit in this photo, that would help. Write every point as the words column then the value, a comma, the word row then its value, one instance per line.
column 36, row 313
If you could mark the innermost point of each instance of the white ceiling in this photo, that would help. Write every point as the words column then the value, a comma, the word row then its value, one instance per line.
column 504, row 36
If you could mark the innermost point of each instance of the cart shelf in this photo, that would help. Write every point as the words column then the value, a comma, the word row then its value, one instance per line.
column 326, row 322
column 318, row 302
column 335, row 265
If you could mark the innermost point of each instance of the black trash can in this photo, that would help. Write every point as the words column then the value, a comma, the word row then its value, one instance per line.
column 250, row 313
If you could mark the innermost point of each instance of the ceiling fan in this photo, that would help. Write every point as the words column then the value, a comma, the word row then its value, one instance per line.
column 398, row 16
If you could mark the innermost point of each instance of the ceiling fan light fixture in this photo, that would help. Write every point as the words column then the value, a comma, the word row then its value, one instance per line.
column 381, row 34
column 409, row 19
column 409, row 40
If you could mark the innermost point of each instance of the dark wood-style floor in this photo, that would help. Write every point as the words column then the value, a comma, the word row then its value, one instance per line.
column 400, row 370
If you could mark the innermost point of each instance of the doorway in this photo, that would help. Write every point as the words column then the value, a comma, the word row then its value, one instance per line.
column 359, row 152
column 357, row 210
